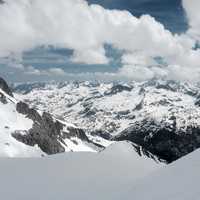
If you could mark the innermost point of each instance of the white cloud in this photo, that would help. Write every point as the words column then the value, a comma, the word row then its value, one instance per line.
column 73, row 24
column 192, row 10
column 90, row 56
column 55, row 71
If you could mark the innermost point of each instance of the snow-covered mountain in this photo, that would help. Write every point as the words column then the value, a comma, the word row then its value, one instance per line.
column 27, row 132
column 158, row 118
column 161, row 116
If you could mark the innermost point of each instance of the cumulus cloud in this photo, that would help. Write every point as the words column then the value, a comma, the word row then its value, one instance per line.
column 56, row 72
column 73, row 24
column 192, row 10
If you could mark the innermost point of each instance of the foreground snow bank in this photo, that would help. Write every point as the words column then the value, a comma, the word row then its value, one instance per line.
column 74, row 176
column 178, row 181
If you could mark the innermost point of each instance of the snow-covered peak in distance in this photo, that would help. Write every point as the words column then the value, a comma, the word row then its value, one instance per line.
column 97, row 105
column 121, row 110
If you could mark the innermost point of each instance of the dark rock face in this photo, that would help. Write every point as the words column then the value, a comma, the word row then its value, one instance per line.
column 4, row 87
column 24, row 109
column 102, row 134
column 46, row 132
column 143, row 152
column 76, row 132
column 165, row 142
column 117, row 89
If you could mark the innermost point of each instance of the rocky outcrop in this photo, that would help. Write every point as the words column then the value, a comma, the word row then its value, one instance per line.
column 46, row 132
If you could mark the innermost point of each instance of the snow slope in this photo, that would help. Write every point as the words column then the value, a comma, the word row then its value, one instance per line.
column 177, row 181
column 10, row 121
column 115, row 174
column 74, row 176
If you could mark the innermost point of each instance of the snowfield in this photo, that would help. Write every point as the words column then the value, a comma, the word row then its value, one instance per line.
column 178, row 181
column 114, row 174
column 74, row 176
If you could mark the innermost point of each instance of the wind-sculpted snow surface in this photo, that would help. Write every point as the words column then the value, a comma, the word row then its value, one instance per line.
column 74, row 176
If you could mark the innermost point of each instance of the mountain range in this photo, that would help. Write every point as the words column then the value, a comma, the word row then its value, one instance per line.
column 161, row 117
column 110, row 140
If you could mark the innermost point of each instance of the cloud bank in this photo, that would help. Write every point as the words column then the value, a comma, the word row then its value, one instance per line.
column 73, row 24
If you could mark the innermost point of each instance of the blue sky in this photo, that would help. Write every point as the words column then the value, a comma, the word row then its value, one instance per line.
column 168, row 12
column 47, row 62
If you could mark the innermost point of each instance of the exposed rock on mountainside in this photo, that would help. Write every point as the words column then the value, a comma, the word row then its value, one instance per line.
column 27, row 131
column 46, row 132
column 161, row 116
column 162, row 140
